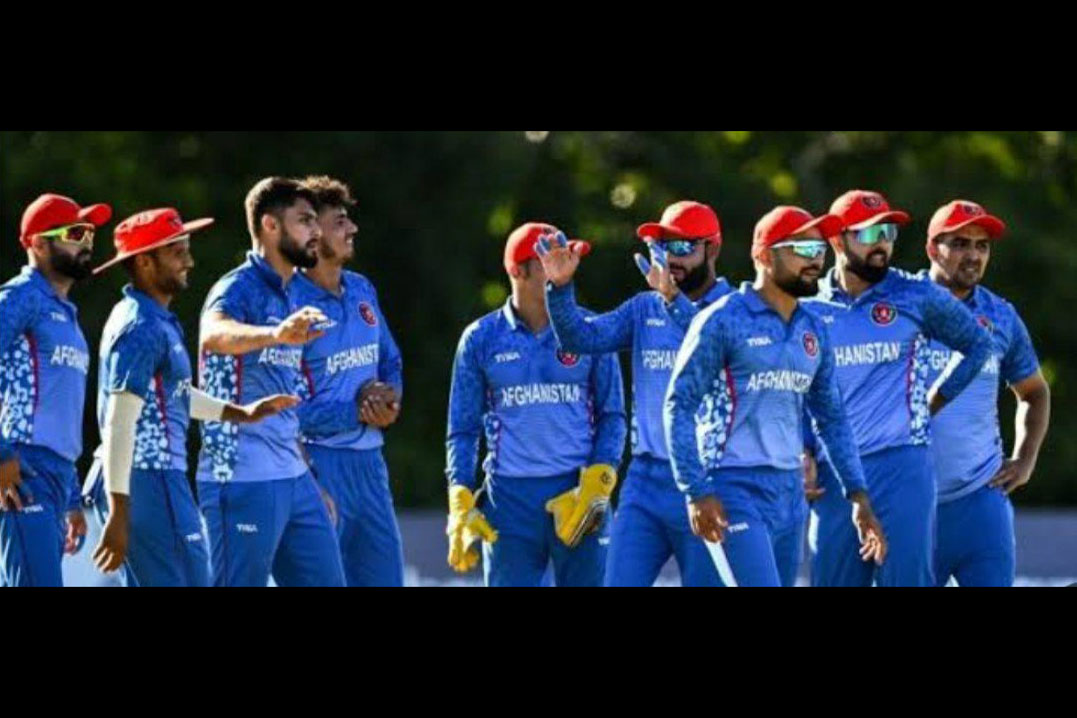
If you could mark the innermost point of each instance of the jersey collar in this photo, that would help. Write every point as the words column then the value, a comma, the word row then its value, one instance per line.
column 37, row 279
column 148, row 303
column 265, row 271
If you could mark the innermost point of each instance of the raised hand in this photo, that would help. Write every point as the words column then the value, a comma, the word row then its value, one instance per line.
column 559, row 258
column 297, row 329
column 657, row 272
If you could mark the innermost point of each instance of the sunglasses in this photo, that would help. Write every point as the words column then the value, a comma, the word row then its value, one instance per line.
column 807, row 248
column 80, row 234
column 678, row 247
column 876, row 233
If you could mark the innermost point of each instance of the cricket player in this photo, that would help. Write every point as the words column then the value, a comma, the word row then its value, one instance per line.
column 355, row 374
column 650, row 523
column 975, row 541
column 44, row 361
column 263, row 509
column 554, row 424
column 144, row 405
column 749, row 365
column 881, row 339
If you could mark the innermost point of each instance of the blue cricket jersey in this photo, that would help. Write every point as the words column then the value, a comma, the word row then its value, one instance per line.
column 647, row 326
column 736, row 399
column 254, row 294
column 142, row 353
column 882, row 354
column 44, row 362
column 966, row 445
column 545, row 412
column 356, row 349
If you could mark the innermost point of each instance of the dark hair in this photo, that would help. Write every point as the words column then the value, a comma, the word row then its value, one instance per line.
column 273, row 195
column 328, row 192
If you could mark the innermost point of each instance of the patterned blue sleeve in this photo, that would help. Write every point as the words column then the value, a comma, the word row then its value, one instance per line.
column 18, row 311
column 611, row 426
column 950, row 321
column 699, row 361
column 133, row 360
column 682, row 311
column 466, row 397
column 1020, row 361
column 581, row 334
column 825, row 403
column 390, row 361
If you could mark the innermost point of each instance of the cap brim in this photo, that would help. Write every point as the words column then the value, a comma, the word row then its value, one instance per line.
column 188, row 227
column 995, row 227
column 96, row 214
column 891, row 217
column 828, row 225
column 656, row 230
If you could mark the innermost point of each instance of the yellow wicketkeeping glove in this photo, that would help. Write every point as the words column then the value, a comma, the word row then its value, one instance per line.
column 578, row 511
column 466, row 526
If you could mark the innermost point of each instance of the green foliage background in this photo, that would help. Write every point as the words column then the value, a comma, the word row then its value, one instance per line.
column 435, row 208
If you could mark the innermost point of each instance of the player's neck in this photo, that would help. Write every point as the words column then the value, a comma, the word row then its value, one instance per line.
column 853, row 285
column 939, row 278
column 162, row 298
column 61, row 283
column 780, row 301
column 531, row 309
column 276, row 260
column 326, row 275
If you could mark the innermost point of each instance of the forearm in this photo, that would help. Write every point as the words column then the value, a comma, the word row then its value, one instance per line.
column 602, row 334
column 118, row 441
column 610, row 437
column 232, row 338
column 462, row 449
column 1030, row 425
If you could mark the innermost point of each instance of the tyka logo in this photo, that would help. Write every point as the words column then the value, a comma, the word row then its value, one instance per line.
column 811, row 344
column 367, row 313
column 883, row 313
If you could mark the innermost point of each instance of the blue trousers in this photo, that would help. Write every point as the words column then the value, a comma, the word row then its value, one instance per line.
column 261, row 528
column 901, row 484
column 166, row 543
column 370, row 544
column 650, row 525
column 766, row 512
column 975, row 540
column 526, row 544
column 32, row 540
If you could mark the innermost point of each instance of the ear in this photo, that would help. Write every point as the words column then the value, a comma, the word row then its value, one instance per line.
column 836, row 243
column 268, row 223
column 932, row 249
column 713, row 249
column 514, row 271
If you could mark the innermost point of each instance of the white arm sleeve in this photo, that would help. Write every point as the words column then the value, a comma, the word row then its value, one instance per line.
column 118, row 441
column 204, row 407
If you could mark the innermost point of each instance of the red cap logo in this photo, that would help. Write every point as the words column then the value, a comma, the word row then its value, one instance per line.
column 860, row 208
column 50, row 211
column 883, row 313
column 811, row 344
column 149, row 230
column 567, row 359
column 961, row 213
column 368, row 315
column 786, row 221
column 684, row 220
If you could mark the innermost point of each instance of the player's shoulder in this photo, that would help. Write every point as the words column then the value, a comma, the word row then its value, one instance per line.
column 726, row 309
column 358, row 282
column 913, row 283
column 995, row 307
column 480, row 328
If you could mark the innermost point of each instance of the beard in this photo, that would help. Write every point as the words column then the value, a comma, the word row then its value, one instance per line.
column 73, row 266
column 299, row 255
column 798, row 286
column 966, row 277
column 868, row 272
column 693, row 279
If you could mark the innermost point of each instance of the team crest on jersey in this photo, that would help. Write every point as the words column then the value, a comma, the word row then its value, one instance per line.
column 985, row 323
column 567, row 359
column 883, row 313
column 811, row 344
column 872, row 201
column 367, row 313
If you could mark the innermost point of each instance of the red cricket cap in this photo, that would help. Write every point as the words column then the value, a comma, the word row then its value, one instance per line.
column 520, row 246
column 149, row 230
column 786, row 221
column 861, row 208
column 961, row 213
column 53, row 210
column 684, row 220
